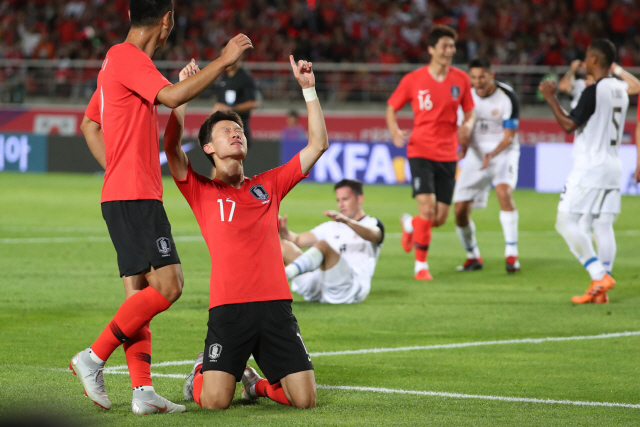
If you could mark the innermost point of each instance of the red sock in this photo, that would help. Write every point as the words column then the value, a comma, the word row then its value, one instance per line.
column 197, row 386
column 132, row 315
column 273, row 392
column 421, row 237
column 138, row 353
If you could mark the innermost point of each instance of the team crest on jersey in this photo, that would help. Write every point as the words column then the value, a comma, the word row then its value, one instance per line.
column 495, row 113
column 214, row 352
column 416, row 183
column 164, row 246
column 455, row 92
column 259, row 192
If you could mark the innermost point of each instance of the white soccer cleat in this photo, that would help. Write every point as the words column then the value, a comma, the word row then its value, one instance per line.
column 249, row 379
column 147, row 402
column 187, row 390
column 92, row 378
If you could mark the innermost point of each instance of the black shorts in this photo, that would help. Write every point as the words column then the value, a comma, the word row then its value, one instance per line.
column 266, row 329
column 141, row 234
column 431, row 177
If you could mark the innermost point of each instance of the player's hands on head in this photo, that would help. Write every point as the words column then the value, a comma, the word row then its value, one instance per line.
column 400, row 138
column 575, row 64
column 336, row 216
column 303, row 73
column 235, row 48
column 189, row 70
column 548, row 88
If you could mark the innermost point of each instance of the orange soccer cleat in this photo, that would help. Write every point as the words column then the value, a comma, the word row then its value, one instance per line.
column 601, row 299
column 596, row 289
column 423, row 275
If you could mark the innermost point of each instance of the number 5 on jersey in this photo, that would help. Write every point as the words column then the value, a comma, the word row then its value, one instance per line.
column 233, row 208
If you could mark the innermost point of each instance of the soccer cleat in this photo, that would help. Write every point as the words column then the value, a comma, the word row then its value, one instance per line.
column 471, row 264
column 249, row 379
column 423, row 275
column 601, row 299
column 597, row 288
column 147, row 402
column 512, row 264
column 92, row 378
column 187, row 390
column 407, row 238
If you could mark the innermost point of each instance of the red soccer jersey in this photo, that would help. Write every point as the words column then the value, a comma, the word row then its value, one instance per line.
column 240, row 227
column 435, row 111
column 125, row 106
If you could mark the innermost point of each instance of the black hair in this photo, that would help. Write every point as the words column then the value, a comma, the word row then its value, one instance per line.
column 606, row 50
column 439, row 31
column 205, row 136
column 147, row 13
column 480, row 62
column 293, row 113
column 354, row 184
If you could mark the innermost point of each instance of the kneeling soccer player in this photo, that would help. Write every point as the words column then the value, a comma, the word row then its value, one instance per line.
column 250, row 301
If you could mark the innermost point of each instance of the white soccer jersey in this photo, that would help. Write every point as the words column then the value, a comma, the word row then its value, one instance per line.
column 494, row 114
column 361, row 254
column 600, row 116
column 578, row 86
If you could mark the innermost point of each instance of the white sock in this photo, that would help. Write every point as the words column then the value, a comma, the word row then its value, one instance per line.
column 148, row 388
column 95, row 357
column 606, row 239
column 407, row 223
column 509, row 221
column 567, row 224
column 308, row 261
column 420, row 265
column 467, row 236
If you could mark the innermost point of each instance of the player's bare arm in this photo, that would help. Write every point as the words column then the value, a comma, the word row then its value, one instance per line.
column 176, row 157
column 509, row 135
column 633, row 83
column 302, row 240
column 398, row 135
column 566, row 82
column 549, row 91
column 93, row 135
column 318, row 139
column 465, row 130
column 173, row 96
column 371, row 234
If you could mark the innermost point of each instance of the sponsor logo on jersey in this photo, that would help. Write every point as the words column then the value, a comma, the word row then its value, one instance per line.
column 214, row 352
column 259, row 192
column 455, row 92
column 164, row 246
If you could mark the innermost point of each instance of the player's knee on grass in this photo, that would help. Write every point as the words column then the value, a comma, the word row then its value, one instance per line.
column 300, row 389
column 218, row 389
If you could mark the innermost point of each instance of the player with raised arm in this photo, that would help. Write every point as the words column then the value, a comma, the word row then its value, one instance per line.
column 492, row 158
column 435, row 92
column 593, row 186
column 121, row 129
column 250, row 301
column 343, row 253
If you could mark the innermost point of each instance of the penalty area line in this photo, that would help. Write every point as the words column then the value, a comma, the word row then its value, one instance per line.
column 476, row 396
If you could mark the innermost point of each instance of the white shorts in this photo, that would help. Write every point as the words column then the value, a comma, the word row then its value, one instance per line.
column 586, row 200
column 341, row 284
column 474, row 183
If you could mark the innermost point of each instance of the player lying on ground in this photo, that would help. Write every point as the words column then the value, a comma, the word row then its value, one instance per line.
column 492, row 158
column 250, row 301
column 593, row 186
column 343, row 253
column 121, row 129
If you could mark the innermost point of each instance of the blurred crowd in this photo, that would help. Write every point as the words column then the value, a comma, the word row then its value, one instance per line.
column 527, row 32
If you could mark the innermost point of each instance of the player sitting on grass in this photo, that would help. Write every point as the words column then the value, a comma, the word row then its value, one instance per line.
column 250, row 301
column 343, row 253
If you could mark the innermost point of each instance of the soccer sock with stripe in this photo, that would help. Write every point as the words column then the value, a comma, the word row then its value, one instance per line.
column 579, row 243
column 138, row 353
column 606, row 239
column 133, row 314
column 421, row 237
column 467, row 236
column 308, row 261
column 274, row 392
column 509, row 221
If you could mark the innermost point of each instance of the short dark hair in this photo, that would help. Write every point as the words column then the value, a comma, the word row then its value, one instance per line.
column 480, row 62
column 606, row 50
column 354, row 184
column 147, row 13
column 293, row 113
column 204, row 135
column 439, row 31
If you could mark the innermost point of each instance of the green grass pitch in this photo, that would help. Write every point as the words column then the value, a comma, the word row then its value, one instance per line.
column 60, row 287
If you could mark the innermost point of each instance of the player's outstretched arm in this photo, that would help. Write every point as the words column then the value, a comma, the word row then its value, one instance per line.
column 633, row 83
column 95, row 140
column 371, row 234
column 176, row 157
column 302, row 240
column 548, row 90
column 399, row 136
column 173, row 96
column 318, row 139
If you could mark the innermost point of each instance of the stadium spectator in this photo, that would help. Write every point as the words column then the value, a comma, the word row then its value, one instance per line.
column 339, row 264
column 294, row 130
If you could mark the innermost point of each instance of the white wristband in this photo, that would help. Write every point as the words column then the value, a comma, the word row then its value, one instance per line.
column 310, row 94
column 617, row 70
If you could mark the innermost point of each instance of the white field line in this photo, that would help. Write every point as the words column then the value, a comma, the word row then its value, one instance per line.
column 27, row 240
